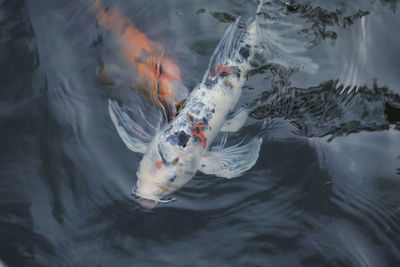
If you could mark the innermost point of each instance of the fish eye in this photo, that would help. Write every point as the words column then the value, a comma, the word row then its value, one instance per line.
column 171, row 177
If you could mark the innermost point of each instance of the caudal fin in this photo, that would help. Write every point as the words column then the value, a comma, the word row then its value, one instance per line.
column 227, row 49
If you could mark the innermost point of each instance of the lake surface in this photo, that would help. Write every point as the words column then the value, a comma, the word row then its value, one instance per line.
column 324, row 191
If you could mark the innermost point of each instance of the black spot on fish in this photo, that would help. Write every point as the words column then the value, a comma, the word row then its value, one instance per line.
column 172, row 178
column 211, row 82
column 162, row 156
column 237, row 72
column 175, row 161
column 224, row 74
column 200, row 104
column 160, row 70
column 205, row 121
column 245, row 51
column 178, row 138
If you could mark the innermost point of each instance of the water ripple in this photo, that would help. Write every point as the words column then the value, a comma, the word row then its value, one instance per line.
column 324, row 191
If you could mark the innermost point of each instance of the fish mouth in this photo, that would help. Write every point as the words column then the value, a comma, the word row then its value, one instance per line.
column 150, row 202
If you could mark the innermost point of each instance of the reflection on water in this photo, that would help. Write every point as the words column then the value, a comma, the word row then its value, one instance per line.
column 329, row 109
column 324, row 191
column 321, row 19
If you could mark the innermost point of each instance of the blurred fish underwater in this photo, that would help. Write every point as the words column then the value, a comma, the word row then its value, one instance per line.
column 324, row 190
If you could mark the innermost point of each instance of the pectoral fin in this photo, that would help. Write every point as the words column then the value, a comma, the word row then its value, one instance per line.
column 231, row 161
column 236, row 122
column 131, row 133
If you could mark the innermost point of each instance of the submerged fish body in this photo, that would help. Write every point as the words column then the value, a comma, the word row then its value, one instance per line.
column 158, row 77
column 205, row 111
column 176, row 151
column 181, row 148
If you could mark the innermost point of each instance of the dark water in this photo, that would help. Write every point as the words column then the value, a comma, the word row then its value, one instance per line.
column 325, row 189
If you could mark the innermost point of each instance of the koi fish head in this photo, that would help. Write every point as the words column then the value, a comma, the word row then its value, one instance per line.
column 163, row 170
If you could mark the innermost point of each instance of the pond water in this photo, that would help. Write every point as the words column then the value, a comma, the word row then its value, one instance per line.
column 324, row 191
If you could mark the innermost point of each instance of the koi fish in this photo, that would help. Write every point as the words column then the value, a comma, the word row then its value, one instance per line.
column 181, row 148
column 158, row 74
column 174, row 152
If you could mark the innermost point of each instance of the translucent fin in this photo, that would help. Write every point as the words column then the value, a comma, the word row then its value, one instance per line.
column 236, row 122
column 131, row 133
column 231, row 161
column 227, row 48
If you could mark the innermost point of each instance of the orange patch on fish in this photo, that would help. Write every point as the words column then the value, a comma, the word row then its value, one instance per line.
column 179, row 105
column 227, row 82
column 223, row 70
column 198, row 131
column 154, row 68
column 158, row 164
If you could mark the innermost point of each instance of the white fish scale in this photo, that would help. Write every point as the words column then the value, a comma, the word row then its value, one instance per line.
column 221, row 98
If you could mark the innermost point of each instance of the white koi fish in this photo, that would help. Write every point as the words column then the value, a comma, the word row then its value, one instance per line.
column 182, row 146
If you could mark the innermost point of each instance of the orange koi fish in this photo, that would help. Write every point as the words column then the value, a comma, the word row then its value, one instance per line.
column 156, row 71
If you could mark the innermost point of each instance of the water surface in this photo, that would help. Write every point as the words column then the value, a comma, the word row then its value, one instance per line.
column 324, row 191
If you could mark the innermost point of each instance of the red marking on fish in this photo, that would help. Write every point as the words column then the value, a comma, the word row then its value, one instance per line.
column 222, row 70
column 158, row 164
column 198, row 131
column 227, row 82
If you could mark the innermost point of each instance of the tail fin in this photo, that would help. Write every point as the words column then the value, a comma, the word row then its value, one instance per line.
column 269, row 37
column 227, row 48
